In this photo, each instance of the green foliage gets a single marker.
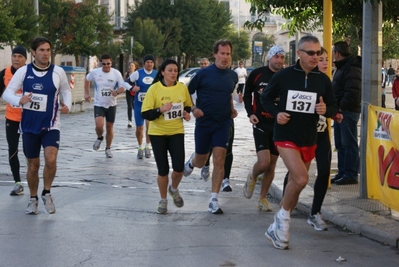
(308, 14)
(148, 35)
(241, 45)
(6, 24)
(76, 28)
(53, 14)
(17, 22)
(188, 27)
(390, 42)
(86, 29)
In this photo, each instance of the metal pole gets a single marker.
(327, 31)
(36, 6)
(131, 46)
(371, 77)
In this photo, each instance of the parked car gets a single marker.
(249, 69)
(185, 75)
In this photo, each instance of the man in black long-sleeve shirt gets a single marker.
(304, 93)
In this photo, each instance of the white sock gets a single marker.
(148, 145)
(214, 195)
(141, 146)
(173, 189)
(285, 214)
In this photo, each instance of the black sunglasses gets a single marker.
(312, 53)
(108, 63)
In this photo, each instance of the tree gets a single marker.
(87, 28)
(53, 14)
(75, 28)
(241, 47)
(146, 32)
(7, 24)
(308, 14)
(19, 23)
(390, 42)
(189, 27)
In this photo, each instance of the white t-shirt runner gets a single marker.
(104, 83)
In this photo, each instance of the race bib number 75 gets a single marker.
(301, 101)
(38, 103)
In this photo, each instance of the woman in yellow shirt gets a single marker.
(165, 105)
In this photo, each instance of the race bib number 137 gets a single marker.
(301, 101)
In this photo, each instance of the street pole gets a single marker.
(327, 31)
(371, 77)
(36, 6)
(131, 46)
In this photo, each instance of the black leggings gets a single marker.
(129, 101)
(12, 136)
(323, 163)
(161, 144)
(228, 161)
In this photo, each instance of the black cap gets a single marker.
(149, 57)
(19, 49)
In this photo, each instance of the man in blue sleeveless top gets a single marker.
(143, 79)
(42, 82)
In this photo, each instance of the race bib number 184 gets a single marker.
(176, 112)
(301, 101)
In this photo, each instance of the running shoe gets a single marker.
(97, 144)
(205, 173)
(108, 153)
(317, 222)
(187, 169)
(249, 187)
(263, 205)
(140, 153)
(282, 228)
(177, 199)
(226, 185)
(147, 152)
(214, 207)
(18, 189)
(49, 207)
(129, 124)
(271, 235)
(32, 206)
(162, 207)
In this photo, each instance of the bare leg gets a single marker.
(219, 155)
(110, 133)
(176, 178)
(268, 177)
(99, 126)
(139, 134)
(147, 137)
(32, 175)
(298, 177)
(50, 166)
(163, 185)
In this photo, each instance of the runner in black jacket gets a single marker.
(304, 93)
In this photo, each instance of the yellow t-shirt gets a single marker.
(170, 122)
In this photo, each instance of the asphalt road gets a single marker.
(106, 213)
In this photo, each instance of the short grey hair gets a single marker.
(307, 39)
